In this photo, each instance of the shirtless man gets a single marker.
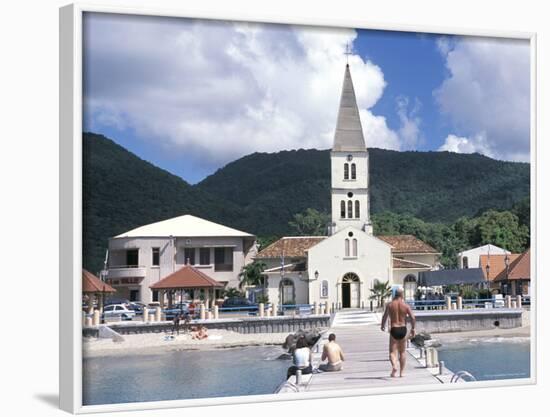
(333, 352)
(397, 311)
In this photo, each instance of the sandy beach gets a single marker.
(151, 343)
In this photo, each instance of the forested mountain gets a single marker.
(433, 186)
(260, 193)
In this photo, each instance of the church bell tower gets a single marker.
(349, 161)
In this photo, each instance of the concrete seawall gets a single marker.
(244, 325)
(467, 320)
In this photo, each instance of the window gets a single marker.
(343, 209)
(134, 295)
(357, 213)
(354, 247)
(353, 172)
(204, 256)
(324, 289)
(189, 254)
(346, 171)
(346, 248)
(132, 258)
(223, 259)
(350, 210)
(465, 262)
(156, 257)
(155, 295)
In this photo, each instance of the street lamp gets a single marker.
(507, 263)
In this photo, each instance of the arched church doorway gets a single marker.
(409, 287)
(351, 291)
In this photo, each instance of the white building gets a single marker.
(342, 268)
(141, 257)
(470, 258)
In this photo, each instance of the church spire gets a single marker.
(349, 133)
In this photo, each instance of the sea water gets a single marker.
(489, 358)
(183, 374)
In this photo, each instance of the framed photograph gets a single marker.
(260, 210)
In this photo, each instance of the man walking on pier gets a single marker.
(397, 311)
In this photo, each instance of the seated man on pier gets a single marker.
(398, 311)
(333, 352)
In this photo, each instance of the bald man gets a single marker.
(398, 311)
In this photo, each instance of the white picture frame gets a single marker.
(70, 153)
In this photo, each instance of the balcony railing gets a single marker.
(126, 271)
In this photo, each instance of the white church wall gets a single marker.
(373, 261)
(301, 291)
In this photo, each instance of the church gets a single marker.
(341, 268)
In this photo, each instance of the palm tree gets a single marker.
(380, 291)
(232, 292)
(252, 275)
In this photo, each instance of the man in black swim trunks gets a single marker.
(398, 311)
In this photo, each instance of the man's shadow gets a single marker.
(50, 399)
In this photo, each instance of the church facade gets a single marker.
(343, 266)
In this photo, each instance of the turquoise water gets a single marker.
(183, 375)
(489, 359)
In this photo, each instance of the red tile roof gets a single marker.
(519, 266)
(290, 247)
(405, 264)
(92, 284)
(186, 277)
(407, 244)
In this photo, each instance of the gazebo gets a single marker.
(188, 278)
(92, 287)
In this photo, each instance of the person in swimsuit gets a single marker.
(333, 352)
(302, 359)
(398, 311)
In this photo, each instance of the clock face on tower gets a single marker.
(349, 157)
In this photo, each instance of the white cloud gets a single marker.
(224, 90)
(486, 94)
(460, 144)
(409, 132)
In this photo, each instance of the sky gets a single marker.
(192, 95)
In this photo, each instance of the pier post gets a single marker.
(203, 311)
(268, 312)
(448, 302)
(209, 315)
(298, 377)
(518, 301)
(261, 309)
(151, 317)
(453, 306)
(508, 301)
(315, 308)
(158, 314)
(514, 304)
(145, 314)
(88, 321)
(459, 303)
(216, 312)
(96, 319)
(441, 367)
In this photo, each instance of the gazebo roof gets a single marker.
(92, 284)
(186, 277)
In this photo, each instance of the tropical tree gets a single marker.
(310, 223)
(380, 291)
(232, 292)
(252, 275)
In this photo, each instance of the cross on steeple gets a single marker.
(347, 53)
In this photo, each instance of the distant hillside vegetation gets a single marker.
(261, 193)
(433, 186)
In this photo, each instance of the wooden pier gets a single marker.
(366, 362)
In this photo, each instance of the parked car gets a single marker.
(136, 307)
(239, 303)
(116, 300)
(118, 310)
(180, 308)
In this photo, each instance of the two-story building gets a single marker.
(141, 257)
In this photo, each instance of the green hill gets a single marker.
(433, 186)
(260, 193)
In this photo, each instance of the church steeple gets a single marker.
(348, 136)
(349, 166)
